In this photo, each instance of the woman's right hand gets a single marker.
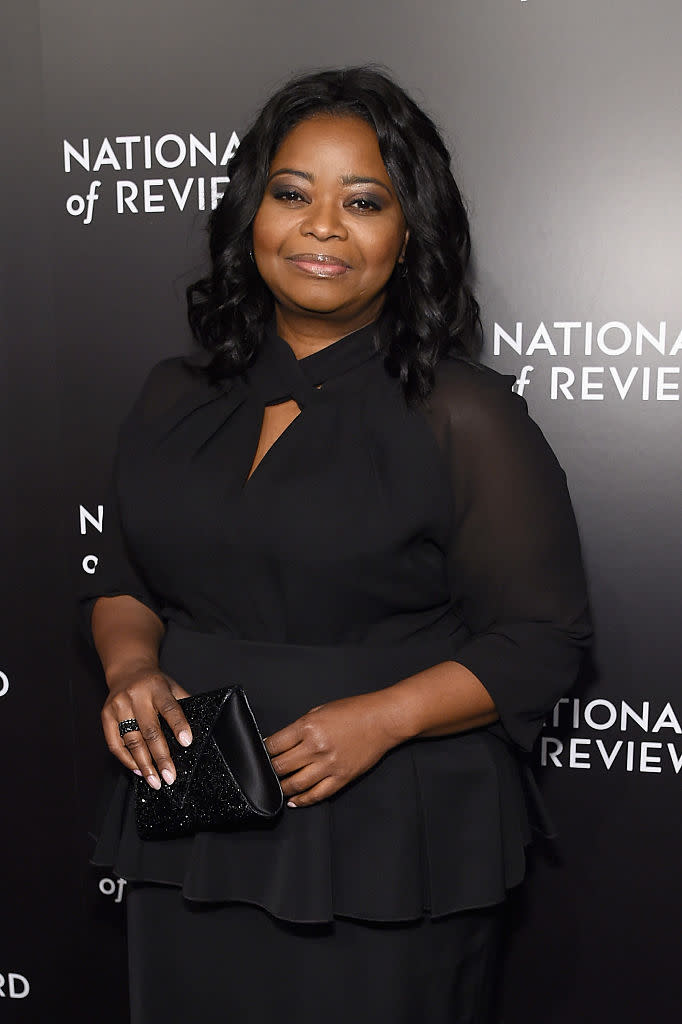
(143, 692)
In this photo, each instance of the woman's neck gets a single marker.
(308, 334)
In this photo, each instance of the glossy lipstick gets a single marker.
(319, 264)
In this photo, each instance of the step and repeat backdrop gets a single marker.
(563, 118)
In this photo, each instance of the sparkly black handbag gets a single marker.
(224, 779)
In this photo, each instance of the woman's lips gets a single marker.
(319, 265)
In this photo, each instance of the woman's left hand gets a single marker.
(329, 746)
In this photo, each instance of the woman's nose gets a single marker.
(323, 220)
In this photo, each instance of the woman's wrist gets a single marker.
(397, 713)
(122, 670)
(441, 700)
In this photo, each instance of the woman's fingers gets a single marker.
(285, 738)
(115, 742)
(157, 753)
(177, 690)
(145, 749)
(137, 745)
(135, 702)
(164, 704)
(291, 760)
(303, 780)
(172, 711)
(320, 791)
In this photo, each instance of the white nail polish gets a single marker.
(168, 776)
(290, 803)
(153, 782)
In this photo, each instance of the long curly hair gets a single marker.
(429, 309)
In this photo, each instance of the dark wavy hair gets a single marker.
(429, 308)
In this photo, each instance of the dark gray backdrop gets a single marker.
(564, 123)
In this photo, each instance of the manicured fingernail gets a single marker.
(136, 771)
(185, 737)
(168, 776)
(290, 803)
(153, 782)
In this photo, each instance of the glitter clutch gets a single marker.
(224, 779)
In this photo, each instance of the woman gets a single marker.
(337, 508)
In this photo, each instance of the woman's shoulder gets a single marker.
(469, 393)
(179, 371)
(460, 374)
(170, 380)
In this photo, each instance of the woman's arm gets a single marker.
(514, 558)
(516, 582)
(127, 634)
(515, 568)
(446, 698)
(332, 744)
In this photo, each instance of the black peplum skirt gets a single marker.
(438, 825)
(392, 871)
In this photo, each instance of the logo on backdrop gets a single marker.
(14, 986)
(642, 738)
(4, 684)
(637, 375)
(87, 519)
(113, 887)
(114, 169)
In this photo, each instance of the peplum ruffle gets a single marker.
(438, 825)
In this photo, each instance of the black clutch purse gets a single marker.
(224, 779)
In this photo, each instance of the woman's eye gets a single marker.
(363, 203)
(292, 195)
(287, 194)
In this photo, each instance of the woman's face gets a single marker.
(329, 229)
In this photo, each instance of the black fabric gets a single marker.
(208, 962)
(437, 825)
(372, 541)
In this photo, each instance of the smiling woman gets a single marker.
(341, 511)
(427, 307)
(326, 243)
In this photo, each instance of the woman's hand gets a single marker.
(329, 746)
(143, 692)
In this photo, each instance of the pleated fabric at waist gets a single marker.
(283, 681)
(436, 826)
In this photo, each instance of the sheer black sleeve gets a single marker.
(117, 572)
(514, 556)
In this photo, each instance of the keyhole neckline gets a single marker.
(278, 375)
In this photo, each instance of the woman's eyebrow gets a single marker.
(290, 170)
(345, 179)
(356, 179)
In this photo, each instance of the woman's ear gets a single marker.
(401, 258)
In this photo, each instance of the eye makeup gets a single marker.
(373, 203)
(284, 193)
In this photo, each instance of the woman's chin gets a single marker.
(326, 305)
(313, 305)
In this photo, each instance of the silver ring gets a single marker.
(129, 725)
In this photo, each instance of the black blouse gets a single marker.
(371, 528)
